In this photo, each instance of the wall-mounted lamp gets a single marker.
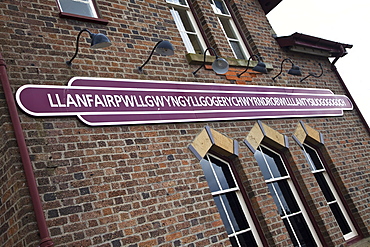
(98, 40)
(312, 74)
(220, 65)
(260, 67)
(163, 47)
(293, 71)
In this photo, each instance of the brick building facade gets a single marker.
(283, 181)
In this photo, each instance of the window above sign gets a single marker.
(229, 29)
(187, 26)
(85, 10)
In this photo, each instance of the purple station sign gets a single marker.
(102, 101)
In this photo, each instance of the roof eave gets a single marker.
(268, 5)
(310, 43)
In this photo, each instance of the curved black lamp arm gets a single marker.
(281, 67)
(204, 58)
(69, 63)
(312, 74)
(238, 75)
(150, 56)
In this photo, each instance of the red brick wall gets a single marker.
(126, 185)
(17, 221)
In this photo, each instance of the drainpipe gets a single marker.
(27, 166)
(334, 68)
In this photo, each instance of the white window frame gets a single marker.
(236, 190)
(238, 39)
(337, 199)
(89, 4)
(174, 6)
(295, 194)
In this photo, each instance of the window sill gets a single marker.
(199, 58)
(83, 18)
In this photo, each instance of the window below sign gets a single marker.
(331, 195)
(286, 197)
(312, 143)
(230, 202)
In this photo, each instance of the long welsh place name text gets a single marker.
(148, 101)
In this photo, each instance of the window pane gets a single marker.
(314, 159)
(247, 239)
(196, 44)
(223, 174)
(223, 214)
(208, 173)
(290, 231)
(278, 199)
(231, 212)
(78, 7)
(341, 220)
(283, 197)
(237, 50)
(233, 241)
(221, 171)
(181, 2)
(185, 20)
(228, 28)
(220, 5)
(262, 164)
(324, 187)
(233, 207)
(299, 227)
(275, 163)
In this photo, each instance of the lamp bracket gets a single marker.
(255, 55)
(204, 58)
(69, 63)
(150, 56)
(314, 75)
(281, 67)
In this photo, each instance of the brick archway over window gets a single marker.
(304, 132)
(210, 139)
(263, 133)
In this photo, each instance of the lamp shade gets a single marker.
(220, 66)
(260, 67)
(99, 40)
(165, 48)
(295, 71)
